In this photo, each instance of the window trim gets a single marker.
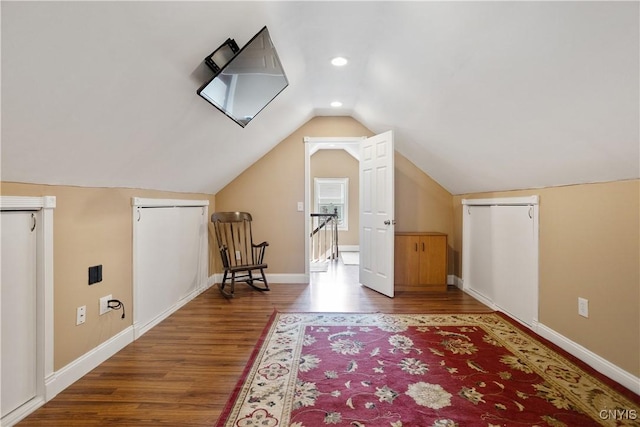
(343, 224)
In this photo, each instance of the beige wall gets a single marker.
(589, 248)
(339, 164)
(91, 226)
(422, 204)
(271, 188)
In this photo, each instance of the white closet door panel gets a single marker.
(155, 262)
(481, 274)
(500, 255)
(189, 242)
(170, 259)
(18, 362)
(513, 246)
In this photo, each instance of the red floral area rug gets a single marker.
(338, 369)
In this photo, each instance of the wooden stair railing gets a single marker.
(324, 237)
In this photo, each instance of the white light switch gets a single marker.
(300, 206)
(583, 307)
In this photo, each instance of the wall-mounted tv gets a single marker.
(248, 81)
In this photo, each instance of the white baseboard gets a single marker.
(23, 411)
(493, 306)
(75, 370)
(598, 363)
(348, 248)
(481, 298)
(452, 279)
(213, 279)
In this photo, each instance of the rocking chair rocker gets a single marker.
(240, 256)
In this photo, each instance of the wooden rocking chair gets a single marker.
(240, 256)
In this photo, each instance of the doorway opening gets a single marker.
(331, 208)
(376, 206)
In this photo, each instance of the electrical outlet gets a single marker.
(104, 304)
(81, 315)
(583, 307)
(238, 256)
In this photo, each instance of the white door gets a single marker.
(500, 254)
(18, 287)
(480, 274)
(514, 263)
(170, 261)
(377, 212)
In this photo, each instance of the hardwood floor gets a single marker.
(181, 372)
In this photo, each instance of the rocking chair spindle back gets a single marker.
(240, 256)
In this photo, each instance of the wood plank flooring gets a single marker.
(181, 372)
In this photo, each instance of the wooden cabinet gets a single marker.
(421, 261)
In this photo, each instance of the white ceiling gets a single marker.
(481, 96)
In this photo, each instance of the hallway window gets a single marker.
(332, 194)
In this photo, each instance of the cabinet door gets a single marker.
(433, 260)
(407, 260)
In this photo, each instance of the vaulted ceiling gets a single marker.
(481, 96)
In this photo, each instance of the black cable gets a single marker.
(117, 304)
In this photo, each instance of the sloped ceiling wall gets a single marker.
(481, 96)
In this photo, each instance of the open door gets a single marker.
(376, 213)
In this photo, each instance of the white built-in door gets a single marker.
(479, 260)
(170, 257)
(377, 213)
(517, 284)
(19, 350)
(500, 254)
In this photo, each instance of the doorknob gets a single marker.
(388, 222)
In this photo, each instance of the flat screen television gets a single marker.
(248, 81)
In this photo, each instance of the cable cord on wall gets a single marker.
(116, 304)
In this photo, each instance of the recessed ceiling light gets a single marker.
(339, 61)
(336, 104)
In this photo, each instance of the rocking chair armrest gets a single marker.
(258, 251)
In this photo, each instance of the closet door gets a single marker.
(155, 264)
(191, 238)
(478, 258)
(514, 261)
(500, 254)
(18, 349)
(170, 261)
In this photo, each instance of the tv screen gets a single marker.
(248, 81)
